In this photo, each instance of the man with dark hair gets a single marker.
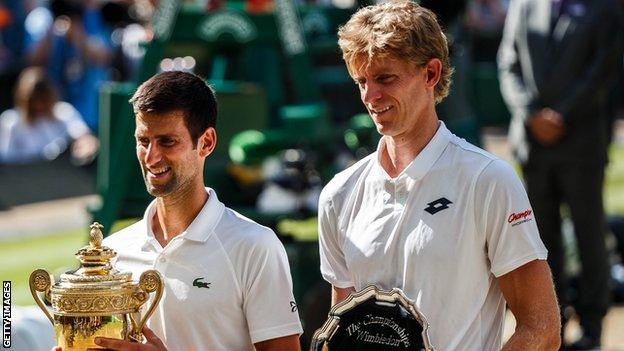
(227, 279)
(428, 213)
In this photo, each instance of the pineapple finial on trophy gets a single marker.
(95, 235)
(95, 258)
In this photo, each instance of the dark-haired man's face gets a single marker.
(169, 161)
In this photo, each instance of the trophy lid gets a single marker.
(96, 270)
(96, 288)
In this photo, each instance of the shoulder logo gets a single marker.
(438, 205)
(198, 283)
(293, 306)
(516, 218)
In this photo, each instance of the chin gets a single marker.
(385, 130)
(159, 191)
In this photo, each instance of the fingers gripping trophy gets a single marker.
(96, 300)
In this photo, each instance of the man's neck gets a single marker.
(174, 213)
(397, 152)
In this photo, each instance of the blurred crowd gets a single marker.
(54, 55)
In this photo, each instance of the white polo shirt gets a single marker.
(242, 292)
(442, 231)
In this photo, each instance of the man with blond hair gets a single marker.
(429, 213)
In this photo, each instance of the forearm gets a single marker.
(339, 294)
(527, 338)
(531, 298)
(286, 343)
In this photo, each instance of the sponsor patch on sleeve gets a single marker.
(517, 218)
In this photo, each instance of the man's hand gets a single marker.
(153, 343)
(546, 126)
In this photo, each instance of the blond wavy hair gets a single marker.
(398, 29)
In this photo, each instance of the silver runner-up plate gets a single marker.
(374, 319)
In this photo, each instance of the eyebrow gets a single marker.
(159, 136)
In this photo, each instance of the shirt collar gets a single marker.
(419, 167)
(200, 228)
(206, 221)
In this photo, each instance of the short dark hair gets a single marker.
(179, 91)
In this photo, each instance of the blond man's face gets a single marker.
(395, 93)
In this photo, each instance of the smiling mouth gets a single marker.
(159, 171)
(379, 111)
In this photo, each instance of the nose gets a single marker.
(152, 154)
(370, 93)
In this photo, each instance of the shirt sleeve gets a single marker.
(268, 301)
(507, 219)
(333, 265)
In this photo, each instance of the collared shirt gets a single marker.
(442, 231)
(227, 280)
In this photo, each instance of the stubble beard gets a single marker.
(161, 190)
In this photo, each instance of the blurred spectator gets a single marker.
(486, 16)
(40, 127)
(456, 110)
(12, 14)
(117, 17)
(556, 59)
(484, 22)
(76, 48)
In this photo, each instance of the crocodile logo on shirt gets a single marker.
(198, 283)
(438, 205)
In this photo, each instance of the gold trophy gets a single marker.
(96, 299)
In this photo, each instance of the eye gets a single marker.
(360, 82)
(167, 142)
(142, 141)
(386, 78)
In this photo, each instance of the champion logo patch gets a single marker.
(438, 205)
(517, 218)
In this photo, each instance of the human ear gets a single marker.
(433, 70)
(207, 142)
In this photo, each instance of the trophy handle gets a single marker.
(41, 281)
(150, 281)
